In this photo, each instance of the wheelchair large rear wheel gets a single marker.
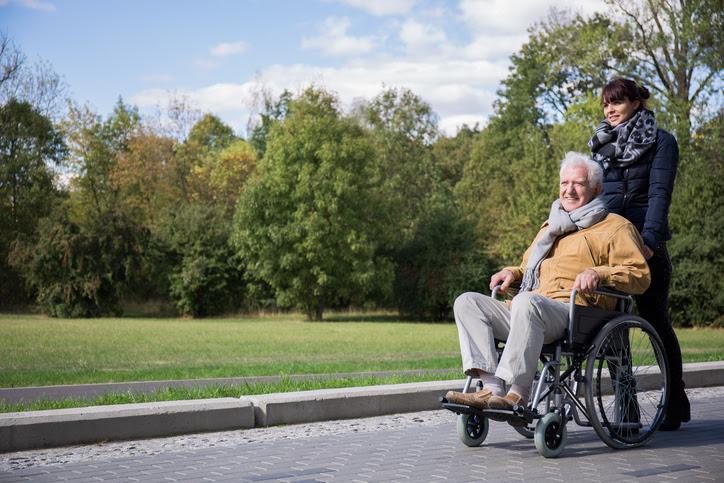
(626, 382)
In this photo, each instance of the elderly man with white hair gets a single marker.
(580, 246)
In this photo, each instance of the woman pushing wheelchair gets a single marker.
(639, 162)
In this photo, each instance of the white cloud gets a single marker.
(493, 47)
(424, 39)
(451, 124)
(217, 98)
(333, 39)
(228, 48)
(498, 28)
(382, 8)
(459, 91)
(32, 4)
(514, 17)
(456, 71)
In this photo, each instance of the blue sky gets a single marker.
(219, 54)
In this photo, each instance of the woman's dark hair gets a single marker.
(620, 88)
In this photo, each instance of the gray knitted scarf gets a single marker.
(560, 222)
(622, 145)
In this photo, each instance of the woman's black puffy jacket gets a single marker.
(642, 191)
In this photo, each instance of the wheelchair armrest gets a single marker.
(613, 293)
(624, 298)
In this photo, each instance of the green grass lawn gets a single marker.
(36, 350)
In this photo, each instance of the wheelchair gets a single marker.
(608, 371)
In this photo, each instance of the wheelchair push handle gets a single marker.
(495, 293)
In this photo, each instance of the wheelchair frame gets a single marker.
(590, 341)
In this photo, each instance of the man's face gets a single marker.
(575, 191)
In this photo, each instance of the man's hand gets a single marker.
(504, 276)
(648, 253)
(586, 281)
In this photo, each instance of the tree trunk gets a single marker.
(314, 313)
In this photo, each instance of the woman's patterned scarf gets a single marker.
(624, 144)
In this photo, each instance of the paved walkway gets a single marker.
(411, 447)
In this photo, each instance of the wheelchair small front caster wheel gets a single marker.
(472, 429)
(550, 435)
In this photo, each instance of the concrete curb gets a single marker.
(37, 429)
(355, 402)
(61, 427)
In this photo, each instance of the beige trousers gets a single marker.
(531, 321)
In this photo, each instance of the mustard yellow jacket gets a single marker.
(612, 247)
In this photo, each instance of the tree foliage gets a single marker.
(697, 225)
(320, 209)
(307, 223)
(205, 277)
(676, 47)
(220, 176)
(548, 105)
(403, 128)
(273, 111)
(29, 146)
(437, 264)
(80, 270)
(94, 148)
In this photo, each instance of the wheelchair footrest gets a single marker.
(518, 416)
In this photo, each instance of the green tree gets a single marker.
(207, 136)
(308, 223)
(404, 128)
(211, 133)
(29, 146)
(438, 263)
(450, 155)
(80, 270)
(677, 48)
(273, 111)
(221, 175)
(697, 225)
(95, 146)
(205, 277)
(142, 176)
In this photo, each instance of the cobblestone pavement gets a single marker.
(410, 447)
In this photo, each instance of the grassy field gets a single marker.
(36, 350)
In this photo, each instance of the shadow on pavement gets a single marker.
(584, 442)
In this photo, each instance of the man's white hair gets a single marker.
(594, 170)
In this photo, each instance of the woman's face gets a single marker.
(619, 111)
